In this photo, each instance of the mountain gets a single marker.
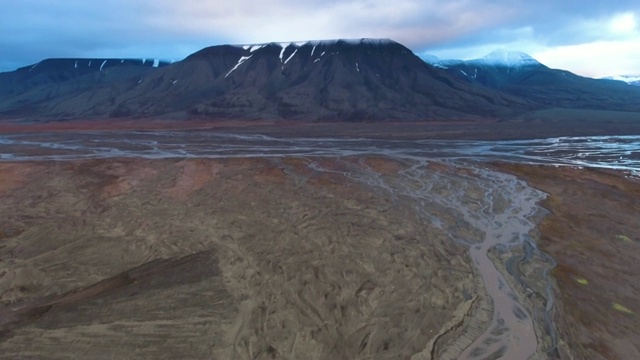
(364, 79)
(629, 79)
(329, 80)
(52, 79)
(56, 71)
(519, 74)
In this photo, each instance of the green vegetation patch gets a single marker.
(582, 281)
(624, 238)
(622, 308)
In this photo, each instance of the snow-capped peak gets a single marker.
(509, 59)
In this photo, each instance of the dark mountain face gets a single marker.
(316, 80)
(341, 80)
(520, 75)
(54, 79)
(55, 71)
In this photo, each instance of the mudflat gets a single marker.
(342, 258)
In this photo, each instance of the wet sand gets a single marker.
(341, 257)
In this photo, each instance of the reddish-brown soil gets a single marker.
(593, 233)
(429, 129)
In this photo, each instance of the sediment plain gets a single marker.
(342, 257)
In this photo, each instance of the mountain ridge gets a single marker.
(519, 74)
(314, 80)
(350, 80)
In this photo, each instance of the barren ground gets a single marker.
(216, 259)
(269, 258)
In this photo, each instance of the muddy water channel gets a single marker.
(491, 214)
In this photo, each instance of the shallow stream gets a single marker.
(492, 211)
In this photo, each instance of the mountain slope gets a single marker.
(53, 79)
(334, 80)
(520, 75)
(365, 79)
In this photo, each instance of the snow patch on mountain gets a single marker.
(439, 63)
(512, 59)
(242, 59)
(314, 43)
(498, 58)
(290, 56)
(284, 47)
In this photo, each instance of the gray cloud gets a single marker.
(37, 29)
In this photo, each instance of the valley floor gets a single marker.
(341, 256)
(545, 124)
(305, 258)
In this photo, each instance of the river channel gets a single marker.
(494, 214)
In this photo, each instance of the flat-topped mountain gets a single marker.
(330, 80)
(363, 79)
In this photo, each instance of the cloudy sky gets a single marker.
(593, 38)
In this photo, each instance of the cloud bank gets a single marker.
(591, 39)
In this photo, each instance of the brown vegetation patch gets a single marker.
(593, 233)
(193, 175)
(13, 175)
(128, 174)
(384, 166)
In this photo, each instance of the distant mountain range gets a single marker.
(330, 80)
(521, 75)
(629, 79)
